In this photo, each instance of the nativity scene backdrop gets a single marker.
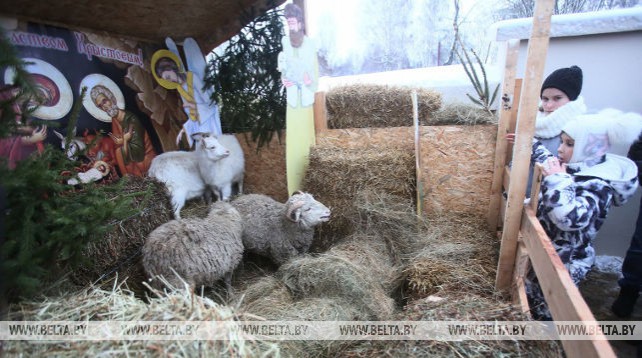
(129, 112)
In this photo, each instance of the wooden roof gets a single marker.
(210, 22)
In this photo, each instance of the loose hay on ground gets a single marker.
(454, 253)
(333, 276)
(95, 304)
(457, 306)
(461, 114)
(366, 105)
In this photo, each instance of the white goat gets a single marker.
(180, 171)
(224, 173)
(276, 230)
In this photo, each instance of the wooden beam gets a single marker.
(564, 299)
(418, 162)
(508, 86)
(320, 113)
(536, 58)
(522, 265)
(512, 123)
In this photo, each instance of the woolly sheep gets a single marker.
(200, 251)
(276, 230)
(227, 171)
(180, 170)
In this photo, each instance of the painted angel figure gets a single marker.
(171, 73)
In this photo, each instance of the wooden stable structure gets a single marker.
(524, 243)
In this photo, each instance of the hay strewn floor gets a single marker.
(391, 268)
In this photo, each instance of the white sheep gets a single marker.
(276, 230)
(180, 170)
(228, 171)
(200, 251)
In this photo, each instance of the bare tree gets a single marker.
(524, 8)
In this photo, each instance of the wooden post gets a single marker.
(508, 86)
(320, 113)
(536, 58)
(418, 165)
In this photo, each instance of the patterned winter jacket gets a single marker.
(572, 208)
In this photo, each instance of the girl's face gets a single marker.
(565, 150)
(552, 99)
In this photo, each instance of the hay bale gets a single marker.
(336, 175)
(366, 105)
(95, 304)
(453, 254)
(119, 251)
(333, 276)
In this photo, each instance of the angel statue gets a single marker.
(169, 72)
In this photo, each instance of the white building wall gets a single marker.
(607, 45)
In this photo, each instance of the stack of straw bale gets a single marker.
(336, 175)
(367, 105)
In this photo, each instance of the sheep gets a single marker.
(227, 171)
(200, 251)
(276, 230)
(180, 170)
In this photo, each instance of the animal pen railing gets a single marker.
(524, 243)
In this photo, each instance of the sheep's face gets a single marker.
(212, 148)
(303, 209)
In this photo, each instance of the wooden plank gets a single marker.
(535, 187)
(512, 123)
(522, 265)
(320, 113)
(418, 161)
(537, 48)
(564, 299)
(508, 86)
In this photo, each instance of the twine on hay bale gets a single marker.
(366, 105)
(333, 276)
(117, 304)
(336, 175)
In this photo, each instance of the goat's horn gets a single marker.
(295, 205)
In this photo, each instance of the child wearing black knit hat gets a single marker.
(560, 103)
